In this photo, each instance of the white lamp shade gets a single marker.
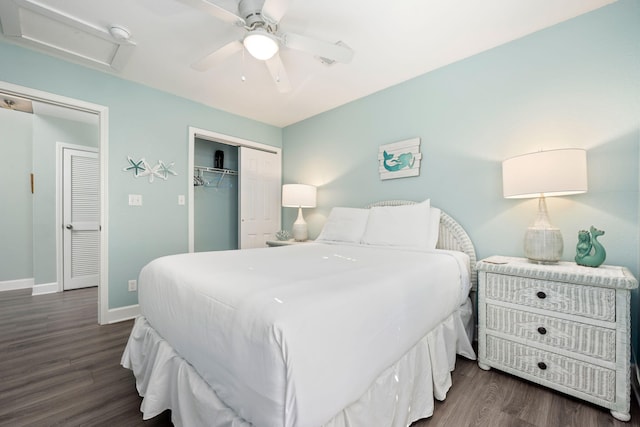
(298, 196)
(260, 44)
(545, 173)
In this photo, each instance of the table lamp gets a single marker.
(299, 196)
(543, 174)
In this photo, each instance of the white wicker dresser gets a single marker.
(563, 326)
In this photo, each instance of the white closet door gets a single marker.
(260, 180)
(81, 216)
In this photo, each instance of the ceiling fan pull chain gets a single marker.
(242, 77)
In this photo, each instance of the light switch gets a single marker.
(181, 199)
(135, 199)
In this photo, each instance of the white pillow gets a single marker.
(407, 226)
(344, 225)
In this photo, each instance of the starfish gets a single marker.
(151, 172)
(137, 167)
(165, 170)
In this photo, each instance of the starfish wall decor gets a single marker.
(142, 168)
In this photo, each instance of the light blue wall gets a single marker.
(16, 254)
(143, 122)
(216, 204)
(573, 85)
(576, 84)
(47, 132)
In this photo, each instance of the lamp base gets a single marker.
(543, 245)
(299, 229)
(542, 241)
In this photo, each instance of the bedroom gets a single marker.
(572, 85)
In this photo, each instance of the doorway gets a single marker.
(215, 185)
(70, 105)
(259, 183)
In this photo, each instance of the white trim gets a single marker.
(12, 285)
(45, 288)
(121, 314)
(223, 139)
(103, 126)
(103, 285)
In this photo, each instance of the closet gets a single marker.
(234, 202)
(215, 196)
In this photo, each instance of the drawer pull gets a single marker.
(542, 365)
(541, 295)
(542, 330)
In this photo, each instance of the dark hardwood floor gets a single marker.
(58, 367)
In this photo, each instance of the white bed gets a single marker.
(347, 331)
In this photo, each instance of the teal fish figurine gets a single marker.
(589, 251)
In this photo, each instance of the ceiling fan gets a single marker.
(263, 39)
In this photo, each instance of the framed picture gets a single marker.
(399, 159)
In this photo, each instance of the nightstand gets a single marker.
(274, 243)
(563, 326)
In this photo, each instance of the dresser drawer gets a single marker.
(555, 369)
(588, 301)
(588, 340)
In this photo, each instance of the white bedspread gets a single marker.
(290, 336)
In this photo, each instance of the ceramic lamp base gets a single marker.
(542, 241)
(543, 245)
(299, 229)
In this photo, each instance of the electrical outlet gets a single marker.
(133, 285)
(181, 199)
(135, 199)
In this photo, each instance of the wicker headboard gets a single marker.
(451, 236)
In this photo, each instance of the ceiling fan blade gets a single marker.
(275, 9)
(334, 52)
(278, 73)
(215, 11)
(217, 56)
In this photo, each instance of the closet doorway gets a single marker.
(215, 196)
(234, 199)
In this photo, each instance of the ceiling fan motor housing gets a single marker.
(251, 12)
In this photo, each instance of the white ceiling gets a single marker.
(393, 41)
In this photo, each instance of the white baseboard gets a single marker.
(45, 288)
(121, 314)
(12, 285)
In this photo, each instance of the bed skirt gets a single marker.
(402, 394)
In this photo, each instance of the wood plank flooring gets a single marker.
(58, 367)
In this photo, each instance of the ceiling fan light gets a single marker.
(261, 45)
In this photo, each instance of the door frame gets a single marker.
(60, 147)
(223, 139)
(103, 128)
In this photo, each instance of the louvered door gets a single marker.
(81, 216)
